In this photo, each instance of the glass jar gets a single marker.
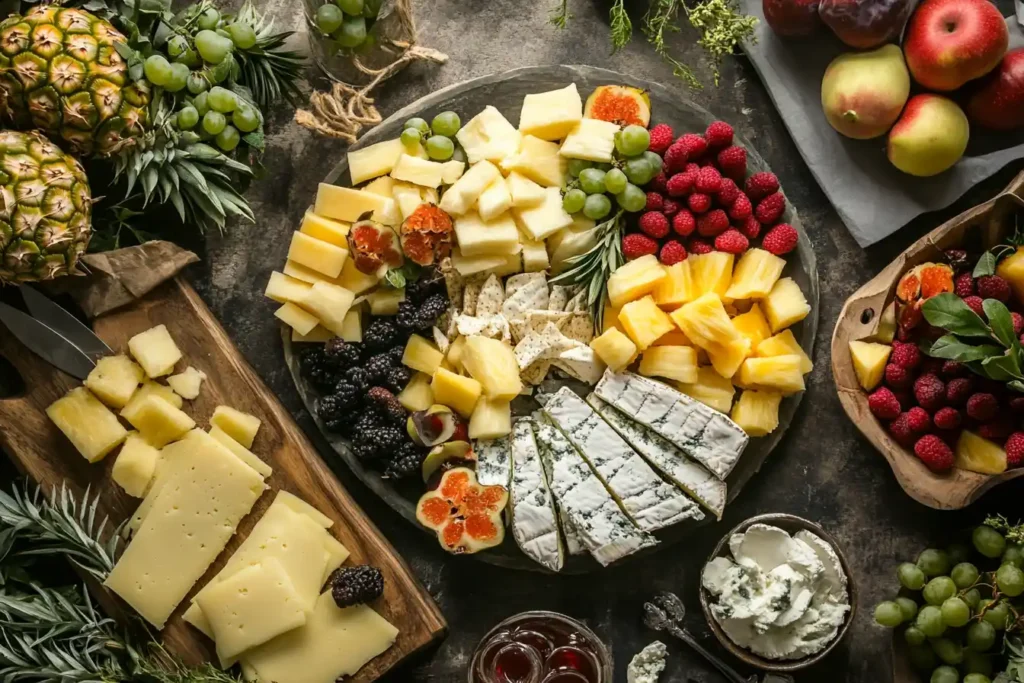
(356, 65)
(540, 647)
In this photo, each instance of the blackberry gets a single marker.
(377, 367)
(358, 377)
(387, 404)
(331, 407)
(380, 335)
(397, 353)
(397, 378)
(363, 447)
(388, 438)
(344, 354)
(429, 282)
(319, 369)
(433, 308)
(408, 317)
(356, 585)
(407, 462)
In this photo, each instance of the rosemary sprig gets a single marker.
(592, 268)
(560, 14)
(621, 26)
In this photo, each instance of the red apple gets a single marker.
(950, 42)
(792, 18)
(999, 102)
(866, 24)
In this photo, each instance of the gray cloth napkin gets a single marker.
(873, 198)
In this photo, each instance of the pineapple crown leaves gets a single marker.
(592, 268)
(270, 70)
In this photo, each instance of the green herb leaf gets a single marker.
(986, 265)
(949, 312)
(1002, 368)
(951, 348)
(999, 319)
(1016, 385)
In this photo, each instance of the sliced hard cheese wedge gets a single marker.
(534, 519)
(325, 229)
(346, 204)
(190, 522)
(336, 554)
(375, 160)
(334, 642)
(240, 426)
(251, 607)
(243, 453)
(300, 506)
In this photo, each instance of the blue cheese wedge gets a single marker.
(606, 531)
(685, 473)
(573, 541)
(493, 462)
(647, 665)
(653, 503)
(534, 519)
(706, 435)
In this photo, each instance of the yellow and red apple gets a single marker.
(951, 42)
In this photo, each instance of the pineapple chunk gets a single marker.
(591, 139)
(491, 419)
(455, 391)
(573, 240)
(242, 427)
(421, 355)
(375, 160)
(524, 192)
(329, 303)
(381, 186)
(476, 237)
(325, 229)
(460, 197)
(539, 161)
(187, 384)
(977, 454)
(454, 356)
(384, 301)
(346, 204)
(1011, 269)
(319, 335)
(407, 197)
(323, 257)
(135, 464)
(535, 255)
(493, 364)
(540, 222)
(757, 412)
(283, 289)
(756, 273)
(114, 380)
(159, 422)
(296, 318)
(352, 327)
(726, 360)
(610, 320)
(451, 171)
(710, 389)
(785, 305)
(705, 322)
(673, 362)
(675, 337)
(417, 394)
(418, 171)
(89, 425)
(488, 135)
(753, 326)
(775, 372)
(471, 265)
(147, 389)
(784, 344)
(614, 348)
(869, 361)
(494, 201)
(551, 115)
(155, 351)
(636, 279)
(713, 272)
(355, 280)
(679, 286)
(644, 322)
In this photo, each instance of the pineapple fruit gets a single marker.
(635, 279)
(150, 388)
(242, 427)
(494, 201)
(753, 326)
(707, 325)
(784, 344)
(1011, 269)
(488, 135)
(114, 380)
(710, 389)
(674, 337)
(491, 419)
(672, 362)
(978, 454)
(869, 359)
(187, 383)
(757, 412)
(421, 355)
(159, 422)
(384, 301)
(454, 355)
(524, 192)
(155, 351)
(455, 391)
(417, 394)
(89, 425)
(551, 115)
(644, 322)
(493, 364)
(678, 287)
(375, 160)
(477, 237)
(539, 161)
(614, 348)
(713, 273)
(329, 303)
(135, 464)
(572, 240)
(541, 221)
(781, 373)
(592, 140)
(318, 255)
(785, 305)
(451, 171)
(755, 274)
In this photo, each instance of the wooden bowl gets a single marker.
(791, 524)
(984, 225)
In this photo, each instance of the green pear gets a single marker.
(930, 137)
(863, 93)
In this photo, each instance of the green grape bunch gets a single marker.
(592, 187)
(349, 23)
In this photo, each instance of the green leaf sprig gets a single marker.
(592, 268)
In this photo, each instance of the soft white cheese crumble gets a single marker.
(647, 665)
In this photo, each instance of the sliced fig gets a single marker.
(619, 104)
(466, 516)
(457, 452)
(374, 247)
(427, 235)
(432, 426)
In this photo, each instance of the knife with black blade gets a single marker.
(49, 345)
(63, 323)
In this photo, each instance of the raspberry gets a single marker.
(729, 192)
(698, 203)
(655, 202)
(750, 227)
(883, 404)
(741, 209)
(713, 223)
(952, 368)
(996, 430)
(671, 208)
(982, 406)
(900, 430)
(780, 240)
(760, 185)
(905, 398)
(993, 287)
(679, 184)
(897, 377)
(661, 138)
(769, 210)
(698, 246)
(959, 390)
(659, 183)
(719, 134)
(672, 252)
(1018, 322)
(654, 224)
(919, 420)
(1014, 449)
(934, 452)
(905, 355)
(732, 241)
(683, 223)
(709, 180)
(930, 392)
(1017, 405)
(930, 366)
(637, 244)
(733, 162)
(693, 144)
(963, 285)
(975, 304)
(675, 158)
(947, 418)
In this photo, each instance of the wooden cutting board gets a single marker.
(45, 455)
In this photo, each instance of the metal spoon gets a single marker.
(666, 613)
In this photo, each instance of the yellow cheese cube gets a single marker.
(785, 305)
(488, 135)
(375, 160)
(135, 464)
(551, 115)
(241, 427)
(421, 355)
(644, 321)
(151, 388)
(752, 325)
(471, 265)
(493, 364)
(114, 380)
(282, 288)
(159, 422)
(381, 186)
(89, 425)
(634, 280)
(535, 256)
(614, 348)
(329, 303)
(542, 221)
(417, 394)
(591, 139)
(319, 335)
(296, 318)
(187, 383)
(454, 355)
(673, 362)
(346, 204)
(494, 201)
(321, 256)
(451, 171)
(385, 300)
(155, 351)
(355, 280)
(462, 196)
(352, 327)
(243, 453)
(491, 419)
(678, 287)
(784, 344)
(486, 238)
(539, 161)
(418, 171)
(325, 229)
(408, 198)
(455, 391)
(524, 192)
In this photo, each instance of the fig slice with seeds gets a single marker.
(374, 247)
